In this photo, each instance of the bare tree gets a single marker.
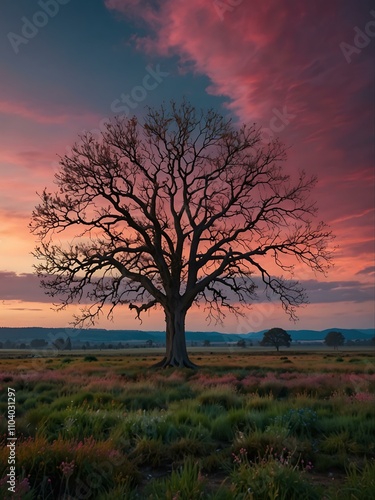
(180, 209)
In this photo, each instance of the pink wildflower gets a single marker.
(67, 468)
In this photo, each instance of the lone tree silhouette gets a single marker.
(334, 339)
(180, 209)
(276, 337)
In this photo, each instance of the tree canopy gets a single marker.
(334, 339)
(276, 337)
(180, 209)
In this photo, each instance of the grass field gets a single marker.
(247, 425)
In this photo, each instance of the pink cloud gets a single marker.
(266, 56)
(26, 112)
(244, 48)
(286, 56)
(39, 115)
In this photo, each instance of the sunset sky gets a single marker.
(302, 70)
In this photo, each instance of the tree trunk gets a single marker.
(176, 353)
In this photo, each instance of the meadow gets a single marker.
(246, 425)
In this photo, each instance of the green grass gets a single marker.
(134, 432)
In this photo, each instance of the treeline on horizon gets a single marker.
(65, 343)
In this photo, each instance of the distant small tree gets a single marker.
(63, 344)
(206, 343)
(334, 339)
(241, 343)
(149, 343)
(276, 337)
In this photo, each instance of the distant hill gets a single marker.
(93, 335)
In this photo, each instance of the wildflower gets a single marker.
(67, 468)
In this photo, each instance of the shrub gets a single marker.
(153, 399)
(43, 387)
(300, 422)
(90, 358)
(258, 442)
(150, 451)
(338, 443)
(225, 426)
(211, 410)
(222, 396)
(66, 360)
(189, 445)
(359, 483)
(121, 492)
(72, 464)
(190, 416)
(222, 430)
(271, 476)
(184, 483)
(258, 402)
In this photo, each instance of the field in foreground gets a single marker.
(247, 425)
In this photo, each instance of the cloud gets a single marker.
(270, 58)
(369, 211)
(319, 292)
(370, 271)
(255, 54)
(278, 56)
(26, 112)
(33, 309)
(26, 288)
(21, 287)
(338, 291)
(57, 115)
